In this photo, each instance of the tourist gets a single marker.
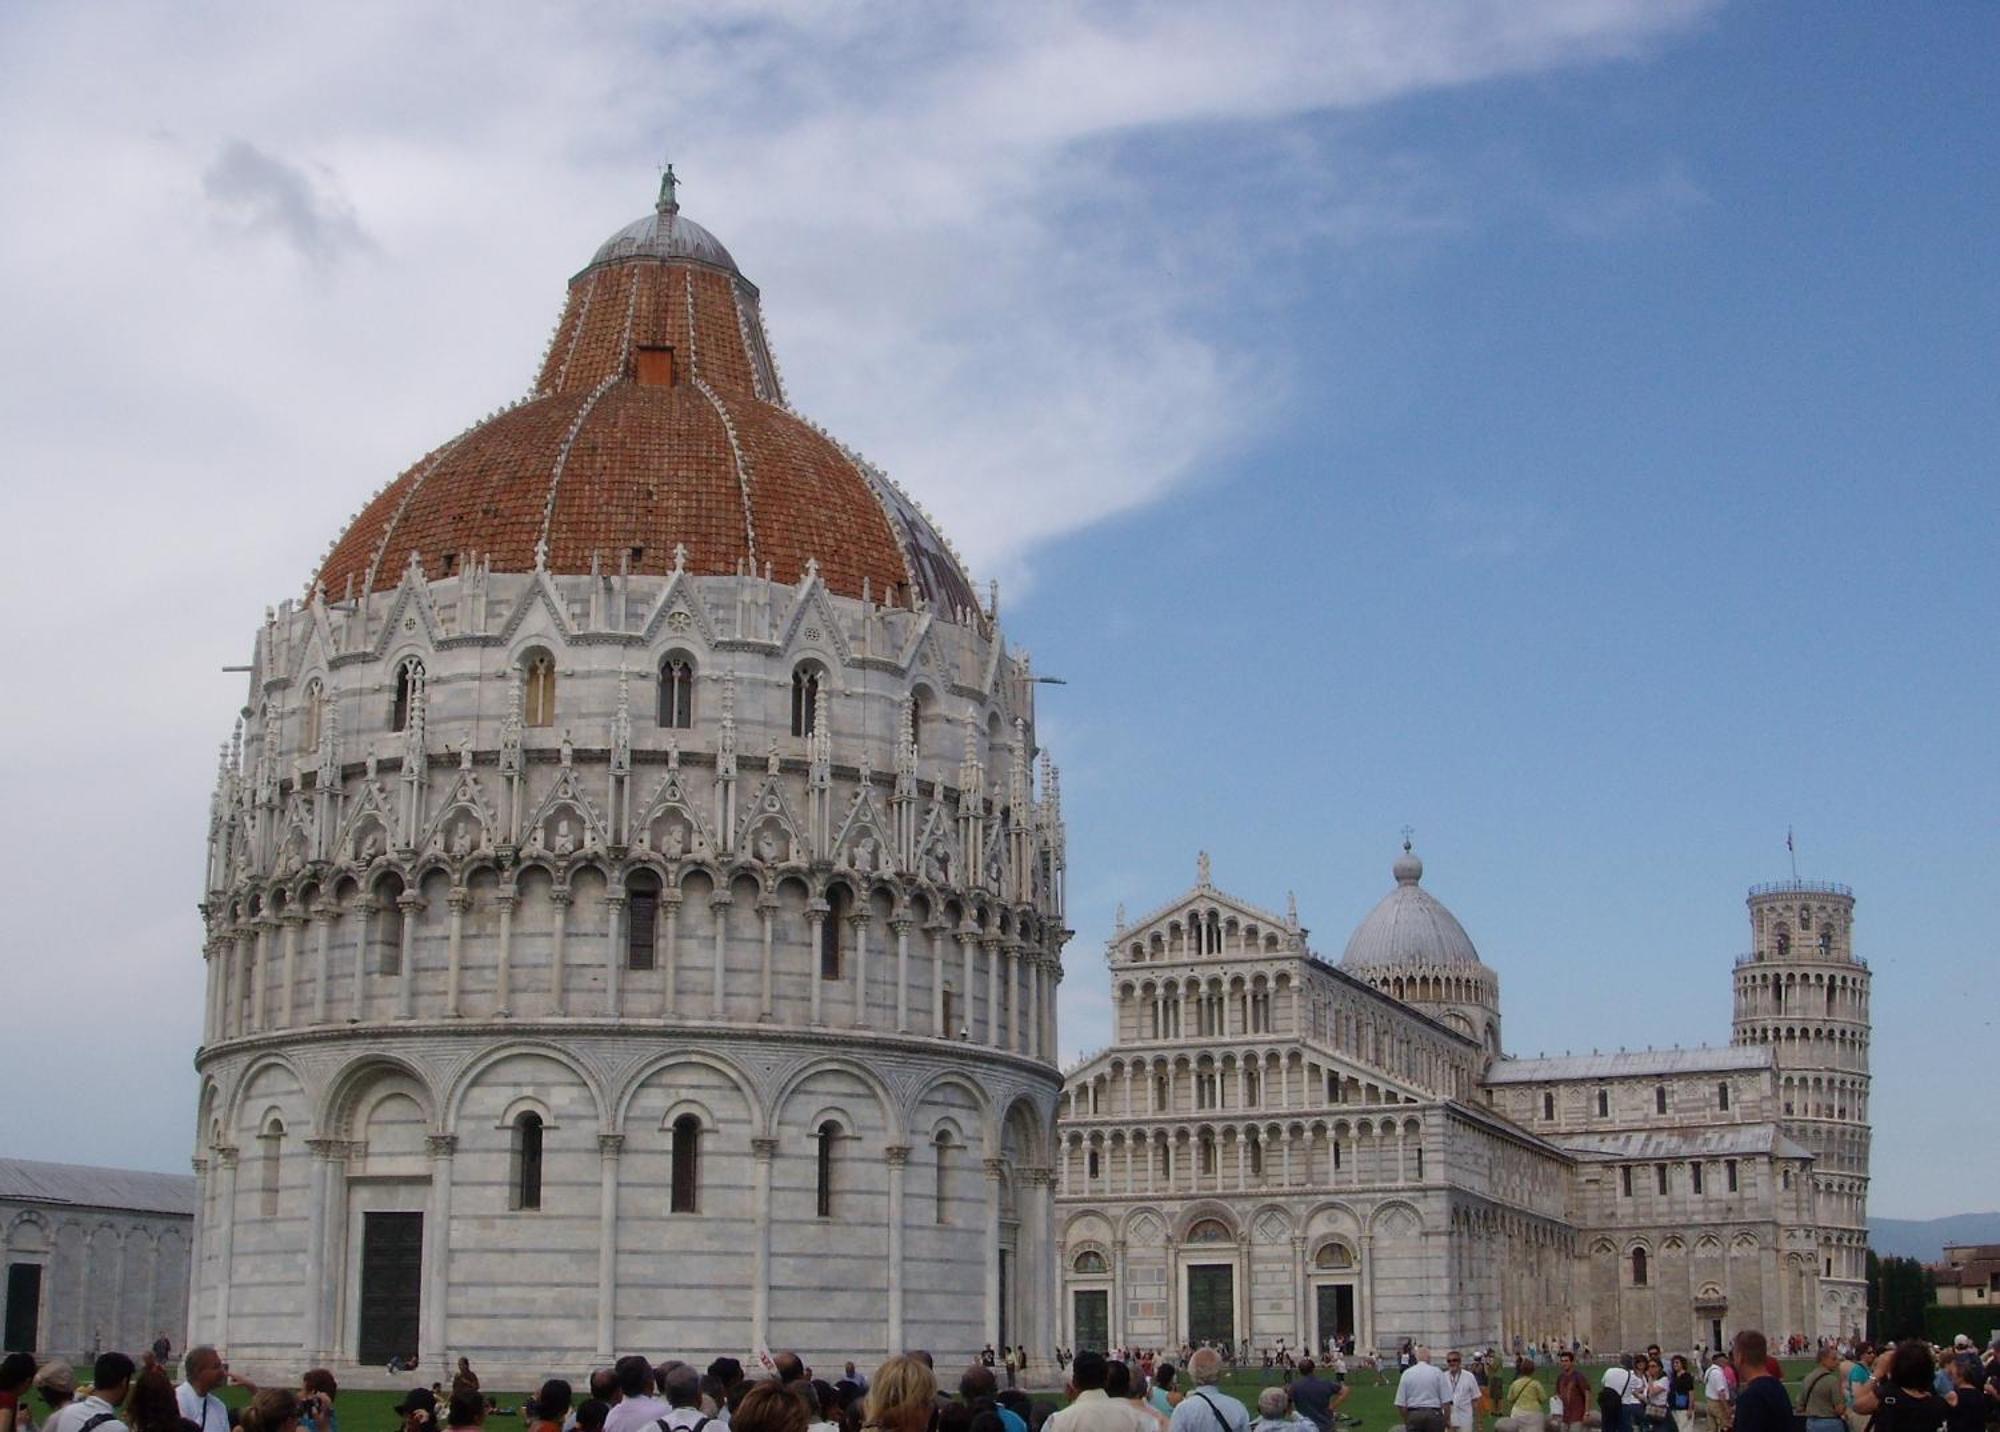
(549, 1408)
(151, 1406)
(1823, 1395)
(466, 1410)
(1164, 1397)
(418, 1410)
(1314, 1398)
(273, 1409)
(979, 1390)
(590, 1414)
(682, 1386)
(903, 1397)
(1659, 1392)
(1761, 1403)
(1620, 1393)
(465, 1379)
(56, 1385)
(852, 1374)
(1970, 1406)
(1572, 1391)
(1123, 1384)
(1680, 1393)
(637, 1407)
(1899, 1397)
(1422, 1394)
(1091, 1409)
(1275, 1414)
(1526, 1400)
(17, 1372)
(1719, 1391)
(1206, 1405)
(1464, 1394)
(110, 1381)
(770, 1406)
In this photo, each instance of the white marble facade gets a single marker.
(1276, 1150)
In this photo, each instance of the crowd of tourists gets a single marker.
(1908, 1387)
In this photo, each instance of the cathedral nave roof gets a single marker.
(1630, 1064)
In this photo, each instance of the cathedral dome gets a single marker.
(656, 433)
(1410, 927)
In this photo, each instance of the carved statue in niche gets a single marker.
(369, 847)
(461, 840)
(937, 865)
(863, 859)
(767, 847)
(563, 842)
(674, 841)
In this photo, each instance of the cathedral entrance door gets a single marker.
(24, 1307)
(1336, 1312)
(1093, 1319)
(392, 1260)
(1211, 1309)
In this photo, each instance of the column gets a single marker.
(1175, 1312)
(992, 944)
(767, 910)
(225, 1252)
(993, 1169)
(1114, 1331)
(937, 982)
(1014, 1030)
(365, 909)
(197, 1253)
(409, 902)
(1305, 1321)
(437, 1248)
(1364, 1296)
(897, 1158)
(505, 901)
(816, 918)
(670, 902)
(901, 925)
(614, 951)
(558, 940)
(858, 922)
(965, 952)
(207, 1006)
(289, 945)
(761, 1151)
(609, 1146)
(456, 903)
(719, 906)
(322, 918)
(260, 949)
(314, 1337)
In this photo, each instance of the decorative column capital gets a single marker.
(293, 916)
(327, 1149)
(721, 900)
(559, 895)
(902, 922)
(897, 1155)
(610, 1145)
(409, 901)
(199, 1164)
(441, 1146)
(225, 1154)
(614, 899)
(763, 1149)
(459, 900)
(995, 1168)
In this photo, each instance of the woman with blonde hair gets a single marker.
(274, 1409)
(902, 1397)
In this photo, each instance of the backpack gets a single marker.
(1610, 1406)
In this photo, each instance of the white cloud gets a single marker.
(997, 246)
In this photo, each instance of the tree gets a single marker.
(1899, 1290)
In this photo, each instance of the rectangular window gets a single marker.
(1659, 1098)
(642, 923)
(1722, 1097)
(1694, 1177)
(1603, 1103)
(1729, 1175)
(1660, 1176)
(1548, 1106)
(1625, 1181)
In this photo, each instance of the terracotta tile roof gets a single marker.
(598, 464)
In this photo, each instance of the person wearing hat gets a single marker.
(418, 1409)
(56, 1383)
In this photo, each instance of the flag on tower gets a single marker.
(1788, 841)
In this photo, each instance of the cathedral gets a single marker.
(634, 896)
(1279, 1150)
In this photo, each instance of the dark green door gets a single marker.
(1093, 1320)
(1336, 1312)
(24, 1307)
(392, 1259)
(1212, 1305)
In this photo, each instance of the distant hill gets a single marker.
(1925, 1237)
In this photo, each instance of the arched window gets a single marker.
(642, 920)
(1090, 1165)
(805, 699)
(943, 1190)
(1826, 942)
(1722, 1097)
(1208, 1155)
(528, 1161)
(1659, 1098)
(838, 904)
(677, 693)
(1256, 1157)
(687, 1164)
(829, 1132)
(538, 698)
(1548, 1106)
(270, 1153)
(1159, 1093)
(310, 705)
(409, 680)
(1603, 1103)
(1638, 1267)
(947, 1015)
(1784, 942)
(389, 896)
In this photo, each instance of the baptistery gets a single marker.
(634, 897)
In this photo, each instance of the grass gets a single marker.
(368, 1411)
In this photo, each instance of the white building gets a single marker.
(1276, 1149)
(634, 911)
(97, 1258)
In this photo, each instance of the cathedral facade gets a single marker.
(1280, 1150)
(634, 896)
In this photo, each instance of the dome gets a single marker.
(1410, 927)
(656, 434)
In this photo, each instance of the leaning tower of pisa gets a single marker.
(1803, 993)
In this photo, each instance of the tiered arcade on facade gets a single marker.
(635, 894)
(1275, 1149)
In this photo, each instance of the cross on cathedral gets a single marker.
(1409, 835)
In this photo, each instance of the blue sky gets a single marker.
(1564, 428)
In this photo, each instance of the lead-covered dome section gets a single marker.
(1410, 927)
(657, 424)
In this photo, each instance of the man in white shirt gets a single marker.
(1464, 1392)
(1631, 1390)
(1090, 1408)
(1207, 1408)
(682, 1385)
(110, 1380)
(1715, 1387)
(637, 1408)
(1422, 1394)
(205, 1372)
